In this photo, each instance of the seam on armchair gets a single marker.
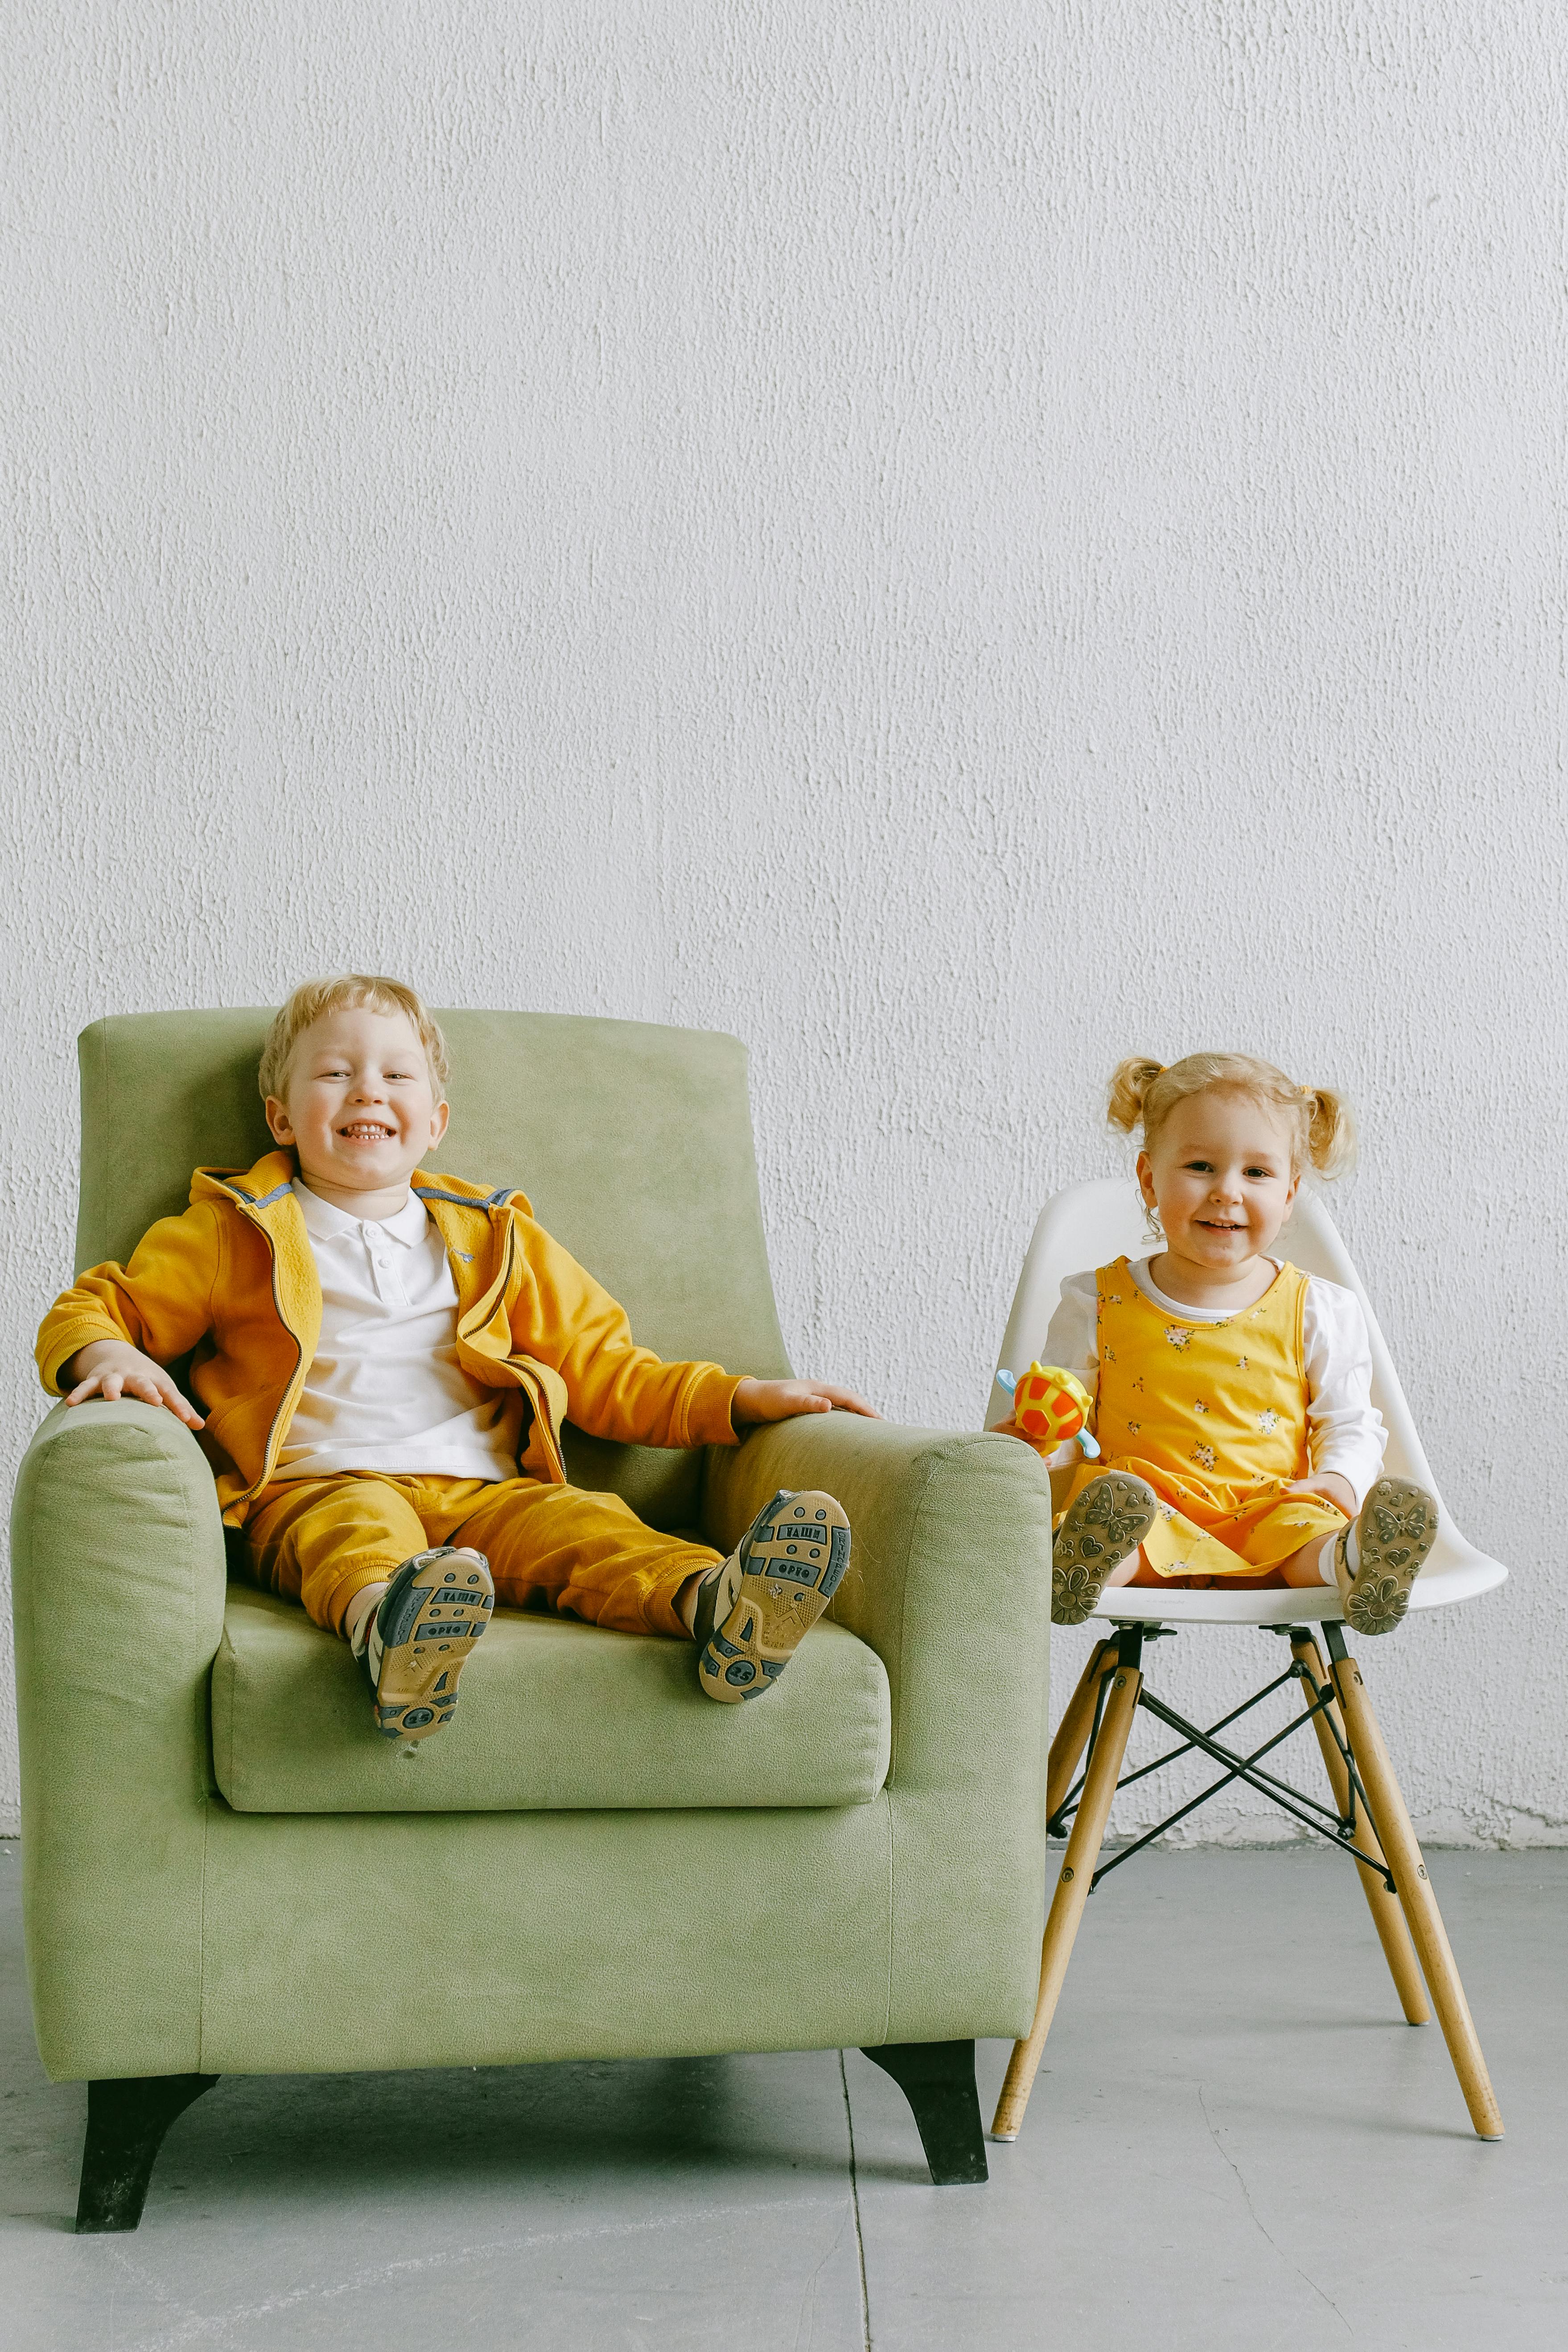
(192, 1610)
(209, 1776)
(223, 1759)
(931, 1462)
(96, 1250)
(892, 1781)
(892, 1917)
(202, 1945)
(208, 1771)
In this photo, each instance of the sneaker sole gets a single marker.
(793, 1560)
(1102, 1525)
(1394, 1533)
(435, 1609)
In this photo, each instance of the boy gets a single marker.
(385, 1367)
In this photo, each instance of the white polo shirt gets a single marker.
(386, 1390)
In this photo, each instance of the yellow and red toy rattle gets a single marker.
(1050, 1404)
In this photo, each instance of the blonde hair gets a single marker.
(1144, 1093)
(314, 998)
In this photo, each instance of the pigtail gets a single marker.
(1330, 1131)
(1143, 1093)
(1130, 1082)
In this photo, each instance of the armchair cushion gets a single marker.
(554, 1717)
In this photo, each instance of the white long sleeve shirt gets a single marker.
(1345, 1432)
(386, 1390)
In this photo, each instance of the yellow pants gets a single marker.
(321, 1540)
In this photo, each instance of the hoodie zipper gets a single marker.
(296, 1376)
(536, 1397)
(537, 1402)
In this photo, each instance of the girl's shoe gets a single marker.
(1098, 1528)
(753, 1608)
(1393, 1535)
(422, 1634)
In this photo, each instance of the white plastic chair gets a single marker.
(1092, 1224)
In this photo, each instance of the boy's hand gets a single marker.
(783, 1400)
(113, 1368)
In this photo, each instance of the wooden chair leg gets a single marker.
(1382, 1902)
(1071, 1890)
(1073, 1730)
(1392, 1821)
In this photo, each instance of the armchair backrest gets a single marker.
(633, 1141)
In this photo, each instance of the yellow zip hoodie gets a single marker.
(234, 1280)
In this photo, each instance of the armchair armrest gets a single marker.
(949, 1579)
(950, 1583)
(117, 1582)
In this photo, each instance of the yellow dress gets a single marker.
(1213, 1415)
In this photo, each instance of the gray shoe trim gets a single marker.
(742, 1595)
(397, 1619)
(716, 1593)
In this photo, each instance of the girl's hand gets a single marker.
(113, 1368)
(1331, 1487)
(783, 1400)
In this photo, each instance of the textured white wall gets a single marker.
(952, 542)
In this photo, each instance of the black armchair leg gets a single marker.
(938, 2080)
(126, 2122)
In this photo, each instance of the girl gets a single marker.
(1239, 1438)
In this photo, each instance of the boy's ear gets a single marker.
(439, 1118)
(278, 1121)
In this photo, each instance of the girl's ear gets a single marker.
(1146, 1179)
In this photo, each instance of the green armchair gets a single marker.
(220, 1855)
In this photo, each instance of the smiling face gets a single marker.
(1221, 1178)
(358, 1108)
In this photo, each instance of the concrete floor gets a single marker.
(1235, 2147)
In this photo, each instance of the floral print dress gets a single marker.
(1213, 1415)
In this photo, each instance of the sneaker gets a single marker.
(1098, 1528)
(431, 1614)
(1393, 1535)
(753, 1608)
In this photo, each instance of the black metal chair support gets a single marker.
(1323, 1820)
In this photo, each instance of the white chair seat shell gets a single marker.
(1092, 1223)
